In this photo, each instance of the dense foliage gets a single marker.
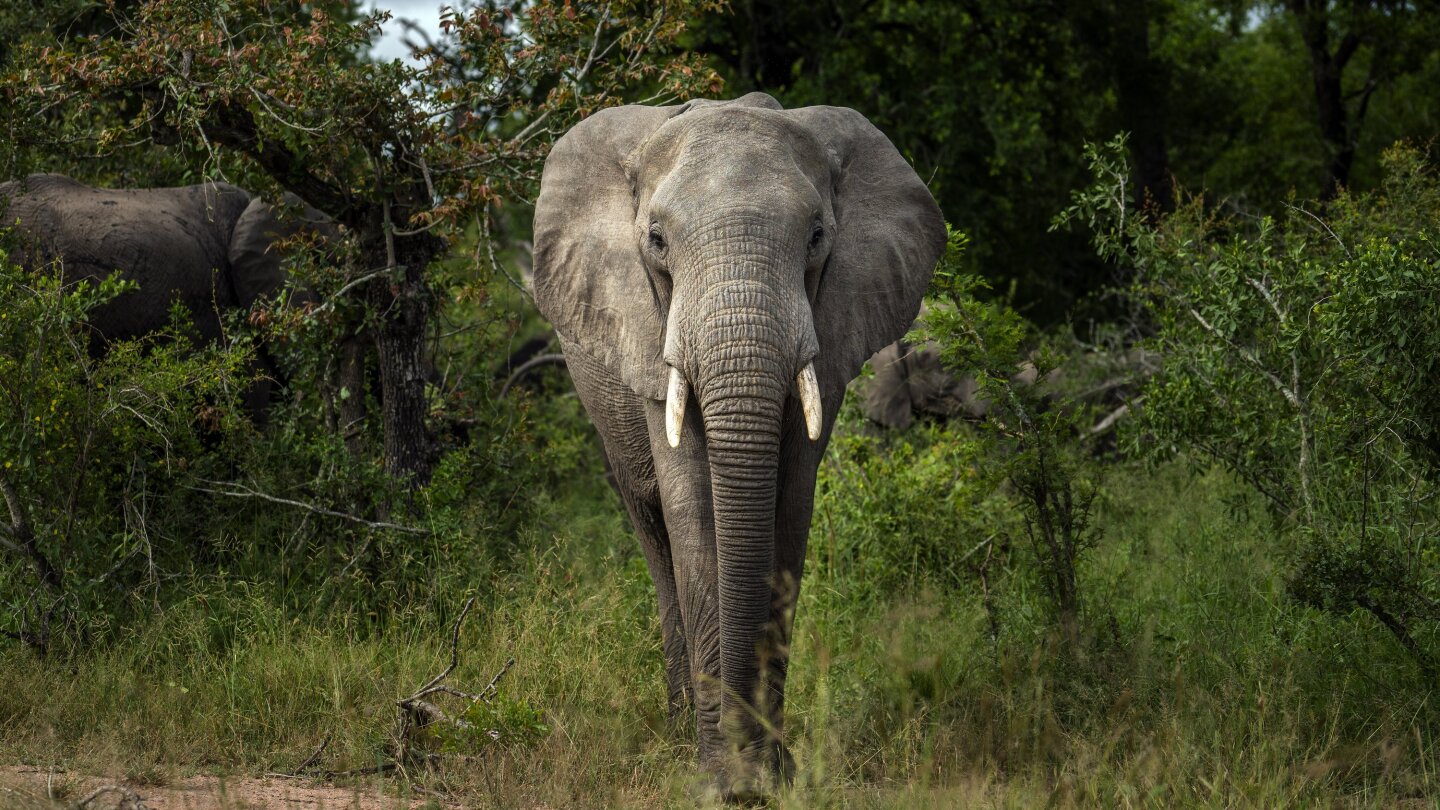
(405, 157)
(1299, 354)
(1213, 584)
(93, 450)
(1249, 99)
(387, 353)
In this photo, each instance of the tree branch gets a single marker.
(1290, 396)
(234, 126)
(242, 491)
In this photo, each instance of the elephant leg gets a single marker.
(683, 476)
(261, 391)
(649, 523)
(619, 417)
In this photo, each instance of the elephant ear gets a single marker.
(255, 268)
(590, 281)
(889, 233)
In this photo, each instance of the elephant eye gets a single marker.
(657, 240)
(815, 237)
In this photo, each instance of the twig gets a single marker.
(483, 219)
(329, 302)
(1323, 224)
(495, 681)
(369, 770)
(982, 544)
(1290, 396)
(1269, 298)
(129, 799)
(454, 648)
(21, 539)
(242, 491)
(526, 367)
(309, 761)
(1109, 421)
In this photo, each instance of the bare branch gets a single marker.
(483, 220)
(454, 647)
(1268, 296)
(1324, 225)
(1290, 396)
(129, 799)
(1114, 416)
(526, 367)
(350, 285)
(242, 491)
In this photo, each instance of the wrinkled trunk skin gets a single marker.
(744, 355)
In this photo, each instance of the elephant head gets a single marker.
(255, 261)
(743, 260)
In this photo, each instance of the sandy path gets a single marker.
(27, 787)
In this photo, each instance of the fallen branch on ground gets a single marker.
(129, 799)
(417, 713)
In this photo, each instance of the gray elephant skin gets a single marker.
(910, 380)
(717, 272)
(210, 247)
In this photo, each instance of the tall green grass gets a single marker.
(1198, 684)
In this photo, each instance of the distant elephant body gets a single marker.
(716, 273)
(208, 247)
(910, 380)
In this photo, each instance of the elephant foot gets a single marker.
(748, 779)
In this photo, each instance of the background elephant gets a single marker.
(910, 380)
(209, 247)
(717, 272)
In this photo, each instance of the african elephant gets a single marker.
(911, 380)
(717, 272)
(209, 247)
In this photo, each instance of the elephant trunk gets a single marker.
(748, 354)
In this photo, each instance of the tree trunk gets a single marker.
(405, 306)
(1327, 68)
(1140, 90)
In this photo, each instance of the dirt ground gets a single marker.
(23, 787)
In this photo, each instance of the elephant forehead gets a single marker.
(729, 145)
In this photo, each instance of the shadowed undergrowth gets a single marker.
(1202, 686)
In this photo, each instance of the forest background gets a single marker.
(1195, 566)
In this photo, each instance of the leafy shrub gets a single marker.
(898, 511)
(96, 450)
(948, 503)
(1037, 449)
(1300, 352)
(501, 721)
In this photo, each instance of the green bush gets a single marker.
(1001, 508)
(134, 478)
(1037, 447)
(97, 451)
(900, 511)
(1300, 352)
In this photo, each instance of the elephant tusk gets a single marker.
(810, 400)
(675, 397)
